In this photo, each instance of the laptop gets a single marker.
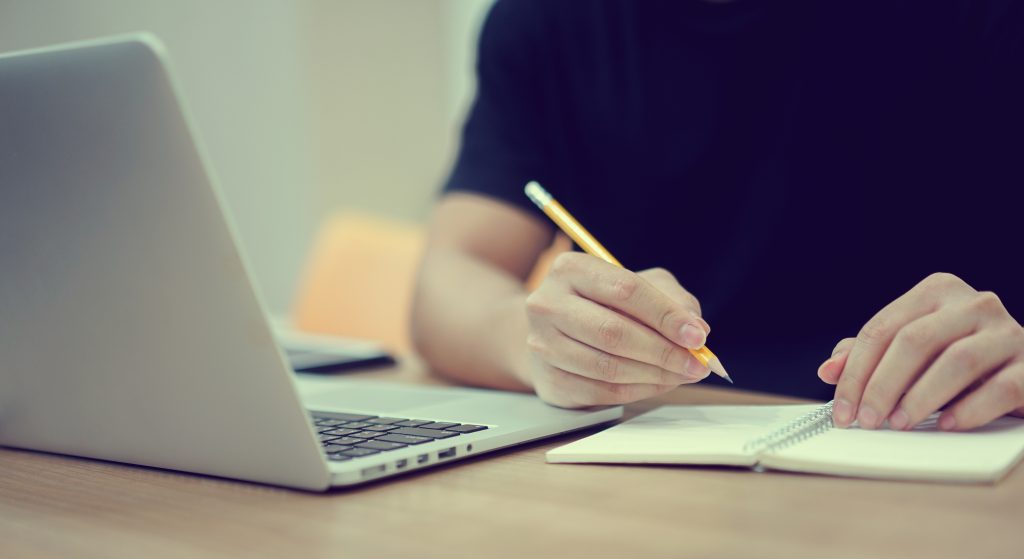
(313, 353)
(130, 330)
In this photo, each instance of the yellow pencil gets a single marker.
(567, 223)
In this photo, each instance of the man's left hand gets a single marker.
(942, 344)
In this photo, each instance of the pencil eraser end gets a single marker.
(537, 194)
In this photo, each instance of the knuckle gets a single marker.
(941, 280)
(624, 287)
(565, 263)
(609, 366)
(962, 358)
(987, 302)
(915, 337)
(667, 359)
(618, 394)
(874, 331)
(611, 332)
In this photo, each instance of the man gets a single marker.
(782, 170)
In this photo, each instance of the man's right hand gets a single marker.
(602, 335)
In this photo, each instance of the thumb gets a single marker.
(832, 368)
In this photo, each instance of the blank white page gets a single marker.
(682, 435)
(925, 453)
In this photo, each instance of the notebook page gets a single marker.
(681, 435)
(926, 453)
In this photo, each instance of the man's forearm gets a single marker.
(469, 321)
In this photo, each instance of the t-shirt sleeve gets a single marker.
(501, 148)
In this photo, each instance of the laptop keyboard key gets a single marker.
(467, 428)
(346, 416)
(356, 425)
(337, 457)
(346, 441)
(438, 425)
(386, 420)
(381, 428)
(366, 434)
(340, 431)
(331, 447)
(412, 423)
(357, 452)
(380, 445)
(417, 432)
(403, 439)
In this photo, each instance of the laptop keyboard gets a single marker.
(345, 436)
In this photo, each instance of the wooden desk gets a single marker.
(509, 504)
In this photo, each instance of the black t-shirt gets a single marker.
(796, 164)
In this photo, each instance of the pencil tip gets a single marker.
(716, 367)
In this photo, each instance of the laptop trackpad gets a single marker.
(378, 400)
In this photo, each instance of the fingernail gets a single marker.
(947, 422)
(867, 417)
(899, 420)
(842, 413)
(692, 335)
(703, 323)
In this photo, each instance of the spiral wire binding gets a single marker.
(800, 429)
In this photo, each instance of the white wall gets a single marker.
(305, 107)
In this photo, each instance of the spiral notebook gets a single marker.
(801, 438)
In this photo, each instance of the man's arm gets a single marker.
(590, 334)
(469, 319)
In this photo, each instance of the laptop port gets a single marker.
(373, 471)
(401, 464)
(446, 453)
(422, 459)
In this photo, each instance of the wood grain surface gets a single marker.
(506, 504)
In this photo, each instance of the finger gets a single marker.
(963, 362)
(844, 346)
(876, 335)
(832, 368)
(606, 330)
(913, 348)
(569, 390)
(632, 295)
(1003, 393)
(567, 354)
(670, 286)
